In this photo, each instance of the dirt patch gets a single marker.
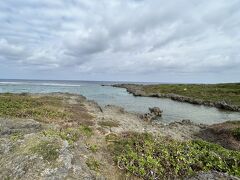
(222, 134)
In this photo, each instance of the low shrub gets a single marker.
(44, 109)
(16, 136)
(48, 150)
(94, 148)
(93, 164)
(86, 130)
(70, 134)
(159, 158)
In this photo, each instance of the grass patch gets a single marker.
(69, 134)
(206, 92)
(157, 158)
(86, 130)
(111, 137)
(16, 136)
(109, 123)
(49, 151)
(93, 164)
(44, 108)
(94, 148)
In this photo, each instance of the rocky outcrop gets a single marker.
(13, 126)
(222, 134)
(212, 175)
(136, 90)
(155, 112)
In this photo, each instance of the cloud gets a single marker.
(119, 37)
(11, 53)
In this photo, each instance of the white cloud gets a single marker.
(122, 36)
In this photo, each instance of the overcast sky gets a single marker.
(132, 40)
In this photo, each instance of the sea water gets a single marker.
(104, 95)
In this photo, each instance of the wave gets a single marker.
(40, 84)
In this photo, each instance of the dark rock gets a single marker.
(147, 117)
(156, 111)
(187, 122)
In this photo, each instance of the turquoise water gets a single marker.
(103, 95)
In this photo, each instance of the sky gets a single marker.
(121, 40)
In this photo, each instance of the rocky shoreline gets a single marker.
(137, 91)
(81, 142)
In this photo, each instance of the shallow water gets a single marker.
(172, 110)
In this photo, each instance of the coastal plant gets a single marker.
(69, 134)
(94, 148)
(40, 108)
(151, 157)
(48, 150)
(16, 136)
(86, 130)
(93, 164)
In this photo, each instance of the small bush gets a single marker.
(157, 158)
(94, 148)
(48, 150)
(93, 164)
(16, 136)
(70, 134)
(86, 130)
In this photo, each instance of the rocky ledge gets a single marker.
(137, 91)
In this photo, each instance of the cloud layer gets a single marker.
(142, 40)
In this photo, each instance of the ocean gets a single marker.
(104, 95)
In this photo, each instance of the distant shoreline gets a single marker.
(156, 91)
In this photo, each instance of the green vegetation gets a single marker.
(157, 158)
(112, 137)
(48, 150)
(86, 130)
(69, 134)
(207, 92)
(93, 164)
(109, 123)
(44, 108)
(94, 148)
(16, 136)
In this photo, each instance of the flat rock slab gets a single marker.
(25, 126)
